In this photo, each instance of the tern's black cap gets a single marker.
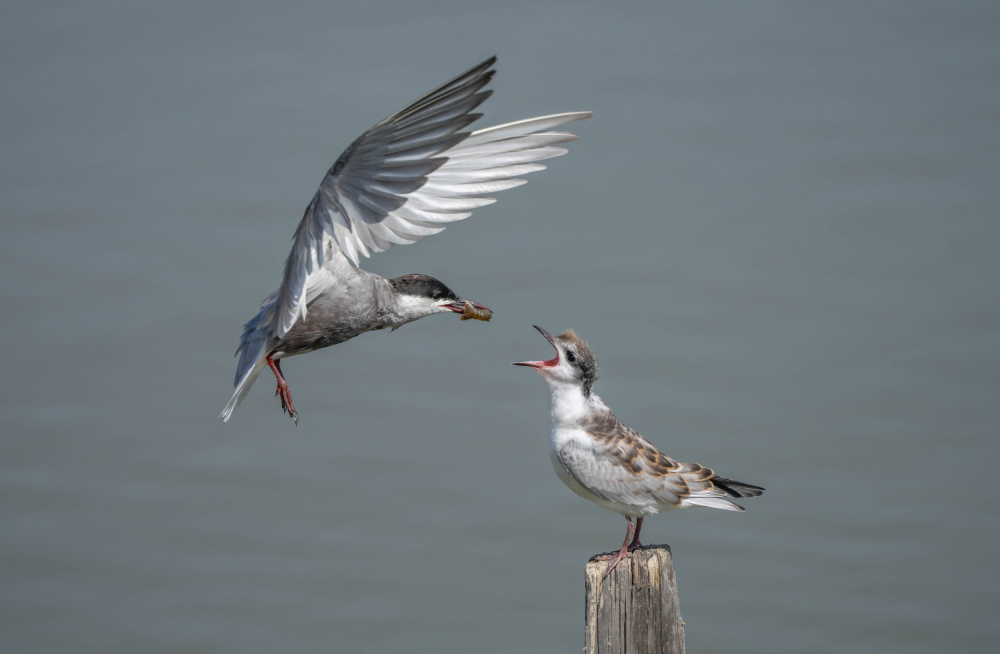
(422, 286)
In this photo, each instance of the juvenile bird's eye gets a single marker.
(570, 356)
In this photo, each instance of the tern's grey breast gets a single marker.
(338, 313)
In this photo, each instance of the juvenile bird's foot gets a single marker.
(626, 547)
(614, 558)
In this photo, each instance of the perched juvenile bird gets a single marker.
(611, 465)
(405, 178)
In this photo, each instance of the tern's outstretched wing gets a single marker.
(409, 175)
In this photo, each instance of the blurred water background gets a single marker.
(779, 233)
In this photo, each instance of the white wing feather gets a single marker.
(409, 175)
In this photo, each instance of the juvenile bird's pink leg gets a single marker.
(623, 553)
(635, 539)
(283, 390)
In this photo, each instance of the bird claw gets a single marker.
(615, 560)
(283, 391)
(631, 543)
(617, 557)
(286, 402)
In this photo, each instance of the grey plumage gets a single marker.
(403, 179)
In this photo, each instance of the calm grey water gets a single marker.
(779, 233)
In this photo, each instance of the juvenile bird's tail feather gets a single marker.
(735, 488)
(722, 486)
(712, 503)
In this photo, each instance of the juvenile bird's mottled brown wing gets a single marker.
(625, 468)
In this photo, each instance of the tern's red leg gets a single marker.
(635, 539)
(283, 390)
(623, 553)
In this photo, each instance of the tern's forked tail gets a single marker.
(243, 387)
(253, 355)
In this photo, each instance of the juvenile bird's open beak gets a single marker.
(541, 364)
(470, 309)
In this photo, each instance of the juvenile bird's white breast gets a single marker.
(584, 463)
(577, 438)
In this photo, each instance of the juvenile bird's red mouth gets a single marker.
(538, 364)
(554, 361)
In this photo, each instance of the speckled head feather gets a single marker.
(584, 357)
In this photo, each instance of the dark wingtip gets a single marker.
(735, 488)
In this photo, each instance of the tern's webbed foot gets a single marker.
(286, 402)
(283, 391)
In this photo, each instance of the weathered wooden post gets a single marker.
(635, 610)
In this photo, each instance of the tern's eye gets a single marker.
(570, 356)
